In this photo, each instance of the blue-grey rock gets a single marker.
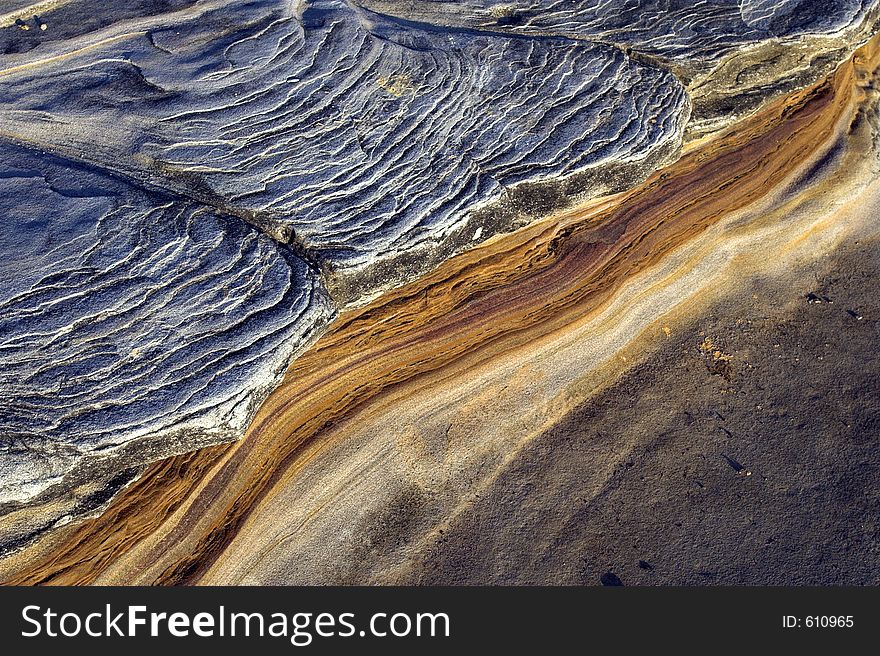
(367, 137)
(679, 30)
(130, 317)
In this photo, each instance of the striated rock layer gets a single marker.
(731, 55)
(132, 327)
(362, 140)
(195, 181)
(624, 380)
(671, 29)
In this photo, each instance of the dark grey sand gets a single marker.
(803, 419)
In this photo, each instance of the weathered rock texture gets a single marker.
(501, 247)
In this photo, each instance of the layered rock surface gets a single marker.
(128, 318)
(194, 190)
(162, 287)
(672, 29)
(367, 138)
